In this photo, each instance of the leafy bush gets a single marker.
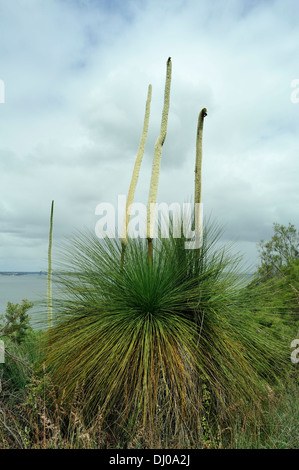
(279, 252)
(21, 344)
(15, 322)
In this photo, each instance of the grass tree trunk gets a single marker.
(135, 174)
(49, 283)
(151, 208)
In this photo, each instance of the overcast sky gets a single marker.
(76, 74)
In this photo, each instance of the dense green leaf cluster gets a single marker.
(145, 342)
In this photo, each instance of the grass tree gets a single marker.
(146, 344)
(164, 346)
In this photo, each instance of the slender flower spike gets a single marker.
(136, 168)
(197, 195)
(157, 159)
(198, 163)
(49, 283)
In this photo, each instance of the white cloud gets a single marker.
(76, 75)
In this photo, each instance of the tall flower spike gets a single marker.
(197, 190)
(136, 172)
(49, 282)
(156, 162)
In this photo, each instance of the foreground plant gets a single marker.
(122, 333)
(146, 341)
(174, 345)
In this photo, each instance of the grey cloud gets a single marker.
(76, 91)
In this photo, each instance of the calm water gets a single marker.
(33, 287)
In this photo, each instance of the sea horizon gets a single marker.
(14, 273)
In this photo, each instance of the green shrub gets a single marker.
(21, 344)
(15, 323)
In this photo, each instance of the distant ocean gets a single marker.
(31, 286)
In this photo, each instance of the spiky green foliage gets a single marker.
(122, 334)
(145, 342)
(225, 302)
